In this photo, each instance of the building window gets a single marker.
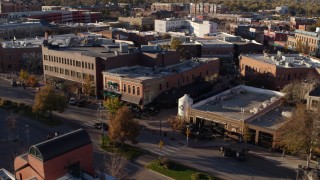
(78, 75)
(124, 87)
(73, 62)
(92, 66)
(61, 70)
(129, 89)
(73, 73)
(133, 90)
(138, 91)
(86, 65)
(314, 103)
(82, 64)
(289, 77)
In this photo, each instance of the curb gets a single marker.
(160, 174)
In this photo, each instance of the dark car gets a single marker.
(228, 152)
(240, 155)
(81, 103)
(101, 125)
(14, 83)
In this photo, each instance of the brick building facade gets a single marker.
(52, 159)
(276, 71)
(141, 85)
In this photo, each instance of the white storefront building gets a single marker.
(198, 28)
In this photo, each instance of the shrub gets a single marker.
(6, 104)
(202, 176)
(195, 176)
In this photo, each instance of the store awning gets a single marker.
(131, 99)
(110, 94)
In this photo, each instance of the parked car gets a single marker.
(81, 103)
(14, 83)
(73, 101)
(101, 125)
(237, 154)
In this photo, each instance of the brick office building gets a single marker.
(141, 85)
(75, 63)
(312, 39)
(71, 154)
(277, 70)
(16, 55)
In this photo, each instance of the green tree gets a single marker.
(246, 135)
(112, 105)
(294, 92)
(32, 81)
(88, 86)
(175, 43)
(301, 133)
(49, 100)
(23, 75)
(122, 127)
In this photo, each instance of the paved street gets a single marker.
(205, 154)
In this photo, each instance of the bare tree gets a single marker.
(175, 124)
(115, 165)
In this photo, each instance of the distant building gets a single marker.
(10, 31)
(170, 7)
(270, 37)
(194, 27)
(20, 6)
(207, 8)
(296, 21)
(311, 39)
(228, 112)
(141, 23)
(60, 16)
(51, 8)
(140, 85)
(277, 70)
(69, 155)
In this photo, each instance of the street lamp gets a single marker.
(27, 133)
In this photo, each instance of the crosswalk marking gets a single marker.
(166, 150)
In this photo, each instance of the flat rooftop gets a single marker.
(273, 119)
(286, 60)
(239, 103)
(142, 73)
(212, 42)
(91, 51)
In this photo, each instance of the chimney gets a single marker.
(46, 35)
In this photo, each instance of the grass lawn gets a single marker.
(177, 171)
(128, 151)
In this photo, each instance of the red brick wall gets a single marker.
(57, 167)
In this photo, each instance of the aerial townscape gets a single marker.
(160, 90)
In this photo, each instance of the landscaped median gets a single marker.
(177, 171)
(126, 150)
